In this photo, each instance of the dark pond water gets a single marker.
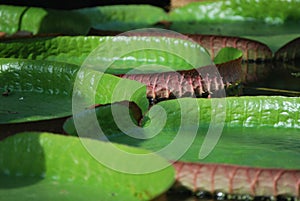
(203, 196)
(279, 79)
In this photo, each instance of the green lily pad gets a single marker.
(275, 42)
(39, 90)
(40, 20)
(10, 17)
(36, 90)
(256, 130)
(123, 17)
(233, 10)
(67, 49)
(227, 54)
(260, 111)
(60, 49)
(237, 18)
(127, 54)
(56, 167)
(78, 22)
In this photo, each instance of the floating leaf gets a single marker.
(57, 167)
(106, 118)
(245, 118)
(252, 50)
(136, 51)
(40, 20)
(237, 18)
(39, 90)
(252, 137)
(123, 17)
(274, 42)
(240, 181)
(10, 18)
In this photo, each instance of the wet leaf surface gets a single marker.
(59, 167)
(269, 67)
(41, 90)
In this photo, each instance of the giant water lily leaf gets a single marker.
(40, 20)
(251, 50)
(239, 146)
(38, 90)
(127, 54)
(72, 22)
(260, 136)
(10, 17)
(145, 54)
(67, 49)
(123, 17)
(236, 18)
(35, 90)
(274, 42)
(238, 181)
(56, 167)
(106, 115)
(227, 54)
(255, 123)
(233, 10)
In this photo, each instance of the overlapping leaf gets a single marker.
(56, 167)
(38, 90)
